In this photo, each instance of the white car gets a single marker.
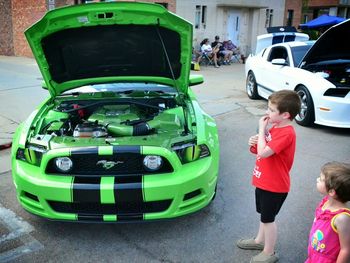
(318, 71)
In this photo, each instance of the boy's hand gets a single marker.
(253, 140)
(263, 122)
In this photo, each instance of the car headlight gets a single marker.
(193, 153)
(30, 155)
(64, 164)
(152, 162)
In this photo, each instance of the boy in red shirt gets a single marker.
(275, 148)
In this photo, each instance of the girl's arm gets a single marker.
(342, 223)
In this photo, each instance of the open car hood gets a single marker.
(111, 42)
(331, 45)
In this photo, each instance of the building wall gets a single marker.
(252, 19)
(313, 3)
(6, 40)
(316, 8)
(297, 6)
(171, 3)
(17, 15)
(25, 13)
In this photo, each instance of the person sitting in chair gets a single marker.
(235, 50)
(209, 51)
(223, 53)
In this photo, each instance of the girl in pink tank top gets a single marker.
(329, 240)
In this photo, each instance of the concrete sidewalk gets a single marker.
(20, 92)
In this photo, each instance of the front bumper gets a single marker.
(115, 198)
(333, 112)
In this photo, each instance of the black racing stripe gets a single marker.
(128, 197)
(277, 39)
(90, 218)
(127, 149)
(136, 217)
(289, 38)
(84, 150)
(86, 189)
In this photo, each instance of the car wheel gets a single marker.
(306, 117)
(251, 86)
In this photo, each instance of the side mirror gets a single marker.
(43, 85)
(279, 61)
(196, 80)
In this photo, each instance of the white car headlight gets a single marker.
(152, 162)
(64, 164)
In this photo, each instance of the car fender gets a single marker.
(316, 84)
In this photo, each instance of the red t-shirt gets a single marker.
(272, 173)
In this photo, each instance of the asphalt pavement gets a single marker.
(206, 236)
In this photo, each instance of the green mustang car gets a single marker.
(121, 136)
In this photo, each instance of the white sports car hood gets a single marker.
(331, 45)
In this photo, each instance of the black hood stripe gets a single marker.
(127, 149)
(84, 150)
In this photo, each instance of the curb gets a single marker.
(5, 146)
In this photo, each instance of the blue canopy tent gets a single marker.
(322, 21)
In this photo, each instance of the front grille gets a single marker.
(95, 209)
(98, 165)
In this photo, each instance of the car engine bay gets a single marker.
(113, 118)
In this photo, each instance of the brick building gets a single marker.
(316, 8)
(209, 17)
(17, 15)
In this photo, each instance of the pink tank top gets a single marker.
(324, 243)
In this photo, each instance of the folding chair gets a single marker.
(206, 60)
(237, 57)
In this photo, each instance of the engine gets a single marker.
(111, 120)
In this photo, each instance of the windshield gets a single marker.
(299, 52)
(122, 88)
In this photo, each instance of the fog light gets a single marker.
(152, 162)
(64, 164)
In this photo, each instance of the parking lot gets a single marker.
(206, 236)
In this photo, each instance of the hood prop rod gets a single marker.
(166, 54)
(171, 69)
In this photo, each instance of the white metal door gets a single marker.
(233, 25)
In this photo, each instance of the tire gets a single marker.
(306, 117)
(251, 86)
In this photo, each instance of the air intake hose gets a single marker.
(139, 129)
(167, 118)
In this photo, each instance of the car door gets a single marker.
(275, 76)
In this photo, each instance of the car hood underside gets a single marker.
(331, 45)
(111, 42)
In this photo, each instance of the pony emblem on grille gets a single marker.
(108, 164)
